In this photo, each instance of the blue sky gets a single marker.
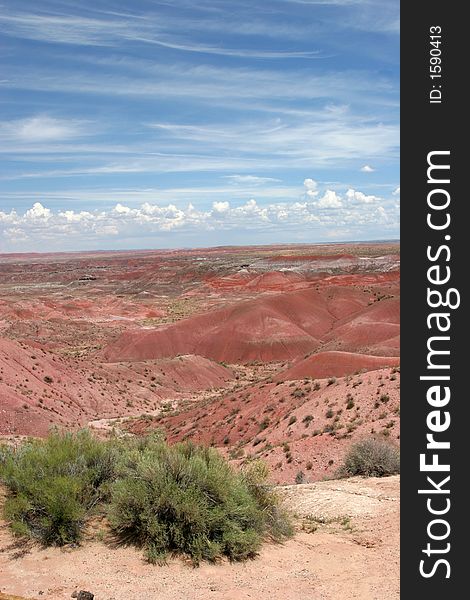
(151, 124)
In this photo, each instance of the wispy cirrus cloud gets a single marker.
(259, 144)
(41, 128)
(250, 179)
(144, 28)
(212, 104)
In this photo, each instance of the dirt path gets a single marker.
(349, 549)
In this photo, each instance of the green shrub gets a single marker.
(264, 424)
(54, 484)
(349, 402)
(180, 498)
(188, 499)
(372, 457)
(307, 420)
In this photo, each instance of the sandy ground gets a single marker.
(346, 547)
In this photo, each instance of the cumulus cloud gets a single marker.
(39, 227)
(220, 208)
(329, 200)
(311, 187)
(367, 169)
(396, 192)
(356, 196)
(122, 210)
(38, 212)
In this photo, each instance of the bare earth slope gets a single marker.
(336, 364)
(278, 327)
(38, 389)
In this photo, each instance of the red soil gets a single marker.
(335, 364)
(271, 328)
(318, 425)
(375, 330)
(306, 257)
(267, 329)
(38, 389)
(271, 281)
(46, 309)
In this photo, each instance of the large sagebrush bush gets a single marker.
(184, 498)
(188, 499)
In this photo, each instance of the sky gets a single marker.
(150, 124)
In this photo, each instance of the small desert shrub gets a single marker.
(264, 424)
(188, 499)
(300, 477)
(53, 484)
(331, 381)
(292, 420)
(349, 402)
(372, 457)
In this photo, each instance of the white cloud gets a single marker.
(106, 230)
(38, 212)
(219, 209)
(249, 179)
(75, 217)
(40, 129)
(311, 187)
(367, 169)
(122, 210)
(314, 218)
(354, 195)
(329, 200)
(396, 192)
(10, 217)
(122, 28)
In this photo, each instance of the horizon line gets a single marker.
(188, 248)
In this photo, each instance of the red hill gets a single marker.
(336, 364)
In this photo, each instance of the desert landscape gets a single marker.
(287, 354)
